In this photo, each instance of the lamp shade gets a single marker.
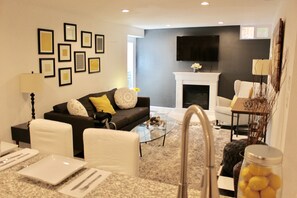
(31, 83)
(261, 67)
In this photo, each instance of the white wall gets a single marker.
(283, 134)
(19, 21)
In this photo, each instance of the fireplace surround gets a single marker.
(200, 78)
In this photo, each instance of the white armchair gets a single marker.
(242, 89)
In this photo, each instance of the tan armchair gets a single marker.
(242, 89)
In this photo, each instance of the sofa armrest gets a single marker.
(78, 123)
(143, 102)
(221, 101)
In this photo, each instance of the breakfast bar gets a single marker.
(116, 185)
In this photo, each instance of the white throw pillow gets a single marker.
(76, 108)
(125, 98)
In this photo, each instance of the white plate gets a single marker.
(6, 147)
(52, 169)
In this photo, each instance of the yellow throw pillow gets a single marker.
(251, 93)
(102, 104)
(233, 101)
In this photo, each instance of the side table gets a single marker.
(20, 133)
(239, 108)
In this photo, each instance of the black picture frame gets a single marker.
(70, 32)
(47, 67)
(64, 52)
(99, 43)
(65, 76)
(79, 61)
(94, 65)
(86, 39)
(45, 41)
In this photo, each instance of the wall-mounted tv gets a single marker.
(197, 48)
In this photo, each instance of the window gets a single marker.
(255, 32)
(131, 62)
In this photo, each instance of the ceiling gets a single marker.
(156, 14)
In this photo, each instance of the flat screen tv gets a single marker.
(197, 48)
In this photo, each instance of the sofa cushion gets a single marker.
(109, 94)
(76, 108)
(128, 116)
(125, 98)
(85, 101)
(61, 108)
(102, 104)
(90, 107)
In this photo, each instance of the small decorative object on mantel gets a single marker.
(196, 67)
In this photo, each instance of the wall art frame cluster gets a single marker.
(46, 46)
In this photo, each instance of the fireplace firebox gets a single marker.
(196, 94)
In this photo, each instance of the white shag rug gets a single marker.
(163, 163)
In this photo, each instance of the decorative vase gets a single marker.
(195, 70)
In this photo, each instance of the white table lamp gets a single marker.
(31, 83)
(261, 67)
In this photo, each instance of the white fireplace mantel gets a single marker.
(199, 78)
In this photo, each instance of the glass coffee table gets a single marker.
(148, 131)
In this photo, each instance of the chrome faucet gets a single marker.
(209, 180)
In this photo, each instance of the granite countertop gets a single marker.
(116, 185)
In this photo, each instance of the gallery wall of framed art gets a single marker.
(71, 55)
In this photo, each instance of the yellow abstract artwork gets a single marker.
(94, 65)
(46, 42)
(47, 68)
(66, 77)
(64, 52)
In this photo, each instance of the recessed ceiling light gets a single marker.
(125, 11)
(221, 22)
(204, 3)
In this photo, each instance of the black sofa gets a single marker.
(123, 119)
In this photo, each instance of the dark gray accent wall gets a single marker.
(156, 61)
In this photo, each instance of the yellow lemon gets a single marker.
(245, 173)
(259, 170)
(268, 193)
(248, 193)
(258, 183)
(275, 181)
(242, 185)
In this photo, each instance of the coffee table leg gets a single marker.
(140, 151)
(164, 139)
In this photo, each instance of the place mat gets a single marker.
(92, 178)
(16, 157)
(6, 147)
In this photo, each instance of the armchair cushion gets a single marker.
(221, 101)
(245, 90)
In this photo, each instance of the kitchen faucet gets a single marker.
(209, 180)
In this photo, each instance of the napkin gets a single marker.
(14, 158)
(92, 175)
